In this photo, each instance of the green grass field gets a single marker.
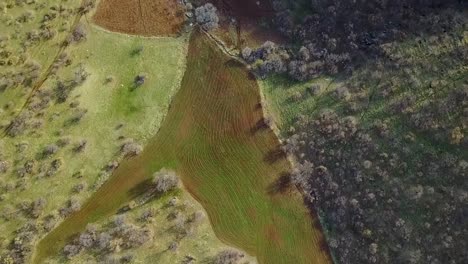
(214, 139)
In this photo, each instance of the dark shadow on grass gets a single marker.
(141, 188)
(281, 185)
(274, 155)
(260, 125)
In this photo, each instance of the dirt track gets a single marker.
(140, 17)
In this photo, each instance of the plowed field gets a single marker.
(140, 17)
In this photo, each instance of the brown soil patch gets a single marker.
(141, 17)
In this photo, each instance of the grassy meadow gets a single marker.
(110, 108)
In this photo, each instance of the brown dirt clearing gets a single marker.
(141, 17)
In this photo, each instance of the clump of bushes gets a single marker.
(207, 16)
(131, 148)
(165, 181)
(78, 34)
(139, 80)
(18, 125)
(228, 256)
(117, 236)
(72, 205)
(49, 150)
(80, 146)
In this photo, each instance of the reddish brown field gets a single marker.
(140, 17)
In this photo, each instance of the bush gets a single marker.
(71, 250)
(165, 181)
(17, 126)
(228, 256)
(139, 80)
(78, 34)
(80, 146)
(49, 150)
(138, 50)
(72, 205)
(206, 16)
(131, 149)
(37, 207)
(79, 187)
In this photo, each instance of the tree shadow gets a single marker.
(141, 188)
(274, 155)
(281, 185)
(261, 124)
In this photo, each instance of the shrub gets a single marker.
(314, 89)
(62, 142)
(173, 246)
(72, 205)
(138, 50)
(228, 256)
(80, 76)
(71, 250)
(86, 6)
(109, 79)
(139, 80)
(342, 93)
(76, 117)
(165, 181)
(131, 149)
(78, 34)
(79, 187)
(128, 258)
(37, 207)
(49, 222)
(147, 215)
(49, 150)
(104, 241)
(136, 237)
(80, 146)
(206, 16)
(17, 126)
(246, 54)
(86, 240)
(111, 166)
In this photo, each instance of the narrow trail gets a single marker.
(45, 75)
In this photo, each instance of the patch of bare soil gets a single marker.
(141, 17)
